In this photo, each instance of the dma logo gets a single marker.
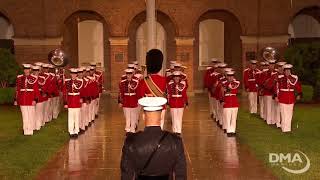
(295, 163)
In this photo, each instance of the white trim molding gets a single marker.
(119, 41)
(264, 39)
(39, 42)
(184, 41)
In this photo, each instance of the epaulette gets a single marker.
(123, 80)
(20, 75)
(170, 82)
(280, 76)
(208, 68)
(246, 69)
(183, 82)
(67, 79)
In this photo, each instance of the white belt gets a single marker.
(73, 94)
(287, 90)
(230, 95)
(29, 90)
(177, 95)
(251, 79)
(129, 94)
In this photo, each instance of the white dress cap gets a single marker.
(51, 66)
(36, 67)
(253, 61)
(129, 70)
(227, 69)
(135, 62)
(281, 63)
(73, 70)
(222, 65)
(272, 61)
(214, 60)
(173, 62)
(230, 73)
(152, 103)
(176, 73)
(177, 65)
(287, 66)
(45, 65)
(38, 64)
(131, 65)
(26, 66)
(93, 64)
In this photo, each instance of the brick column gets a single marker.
(255, 45)
(33, 50)
(184, 53)
(119, 61)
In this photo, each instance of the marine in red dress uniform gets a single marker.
(260, 81)
(287, 86)
(251, 86)
(178, 100)
(128, 100)
(154, 61)
(73, 101)
(230, 103)
(27, 92)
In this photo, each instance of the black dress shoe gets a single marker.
(225, 131)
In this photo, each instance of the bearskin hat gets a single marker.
(154, 61)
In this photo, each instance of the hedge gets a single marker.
(7, 95)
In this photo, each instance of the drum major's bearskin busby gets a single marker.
(154, 61)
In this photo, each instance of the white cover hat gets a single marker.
(36, 67)
(45, 65)
(214, 60)
(73, 70)
(253, 61)
(272, 61)
(93, 64)
(222, 65)
(176, 73)
(51, 66)
(152, 103)
(39, 64)
(177, 65)
(287, 66)
(281, 63)
(129, 70)
(131, 65)
(135, 62)
(230, 73)
(26, 66)
(173, 62)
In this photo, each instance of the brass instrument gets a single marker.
(58, 58)
(269, 53)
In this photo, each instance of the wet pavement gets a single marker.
(210, 153)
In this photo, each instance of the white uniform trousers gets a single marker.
(55, 107)
(210, 103)
(214, 107)
(73, 120)
(163, 115)
(261, 103)
(252, 96)
(176, 114)
(138, 113)
(39, 109)
(87, 115)
(131, 119)
(28, 118)
(220, 113)
(50, 109)
(230, 117)
(286, 112)
(46, 109)
(268, 108)
(275, 113)
(83, 116)
(91, 109)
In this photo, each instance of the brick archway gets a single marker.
(168, 25)
(70, 40)
(232, 43)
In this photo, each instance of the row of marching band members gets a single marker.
(275, 88)
(37, 94)
(42, 89)
(222, 88)
(81, 94)
(133, 86)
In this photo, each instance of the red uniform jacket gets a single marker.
(250, 79)
(206, 80)
(286, 87)
(230, 94)
(177, 94)
(143, 90)
(268, 82)
(127, 93)
(27, 90)
(213, 82)
(43, 88)
(53, 86)
(217, 93)
(260, 80)
(71, 92)
(84, 92)
(99, 79)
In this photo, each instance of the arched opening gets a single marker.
(222, 30)
(86, 39)
(6, 33)
(141, 43)
(305, 26)
(166, 32)
(211, 41)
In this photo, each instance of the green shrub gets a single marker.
(9, 68)
(7, 95)
(306, 61)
